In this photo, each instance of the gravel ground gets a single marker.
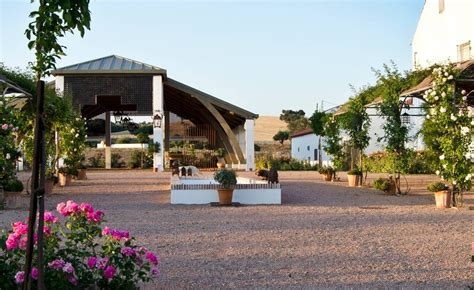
(325, 235)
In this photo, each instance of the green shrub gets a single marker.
(355, 171)
(13, 185)
(135, 159)
(116, 161)
(327, 170)
(437, 186)
(226, 177)
(97, 161)
(382, 184)
(125, 140)
(413, 162)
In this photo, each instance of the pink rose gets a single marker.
(50, 218)
(71, 207)
(68, 268)
(12, 241)
(72, 279)
(109, 272)
(127, 251)
(152, 258)
(105, 231)
(56, 264)
(47, 230)
(61, 208)
(85, 207)
(102, 263)
(155, 272)
(20, 277)
(95, 216)
(20, 228)
(4, 126)
(34, 273)
(119, 235)
(91, 262)
(23, 243)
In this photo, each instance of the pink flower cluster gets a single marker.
(71, 208)
(20, 276)
(18, 238)
(67, 268)
(6, 126)
(116, 234)
(102, 264)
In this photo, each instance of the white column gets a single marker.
(59, 84)
(249, 144)
(158, 136)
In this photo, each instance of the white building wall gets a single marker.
(303, 149)
(438, 34)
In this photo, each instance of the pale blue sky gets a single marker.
(264, 56)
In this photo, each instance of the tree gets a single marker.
(281, 136)
(333, 144)
(143, 138)
(50, 21)
(317, 122)
(356, 122)
(295, 120)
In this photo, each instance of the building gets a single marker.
(115, 85)
(445, 33)
(304, 147)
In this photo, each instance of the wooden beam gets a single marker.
(227, 130)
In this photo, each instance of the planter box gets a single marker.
(443, 199)
(64, 179)
(353, 180)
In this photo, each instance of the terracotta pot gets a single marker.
(327, 177)
(225, 196)
(353, 180)
(64, 179)
(82, 174)
(443, 199)
(48, 186)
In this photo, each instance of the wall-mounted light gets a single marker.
(157, 120)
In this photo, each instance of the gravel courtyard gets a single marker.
(323, 235)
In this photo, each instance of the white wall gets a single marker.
(302, 148)
(158, 136)
(438, 34)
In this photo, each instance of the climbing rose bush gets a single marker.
(78, 252)
(450, 111)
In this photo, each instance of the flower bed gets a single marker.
(78, 253)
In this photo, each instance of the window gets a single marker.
(405, 118)
(298, 149)
(440, 6)
(316, 156)
(464, 51)
(307, 147)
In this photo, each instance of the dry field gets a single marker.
(325, 235)
(267, 126)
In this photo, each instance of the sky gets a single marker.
(264, 56)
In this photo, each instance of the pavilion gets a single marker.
(117, 84)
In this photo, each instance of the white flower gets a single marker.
(454, 118)
(463, 92)
(450, 77)
(73, 131)
(442, 110)
(444, 80)
(85, 136)
(77, 119)
(468, 177)
(465, 130)
(75, 149)
(468, 155)
(77, 135)
(436, 98)
(428, 117)
(454, 182)
(437, 172)
(1, 103)
(443, 94)
(434, 83)
(464, 98)
(7, 156)
(472, 122)
(446, 74)
(444, 166)
(441, 157)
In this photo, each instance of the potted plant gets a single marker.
(65, 176)
(385, 184)
(220, 152)
(51, 179)
(227, 178)
(82, 172)
(353, 177)
(328, 172)
(441, 193)
(11, 193)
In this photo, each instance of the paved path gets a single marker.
(324, 235)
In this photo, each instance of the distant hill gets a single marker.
(267, 126)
